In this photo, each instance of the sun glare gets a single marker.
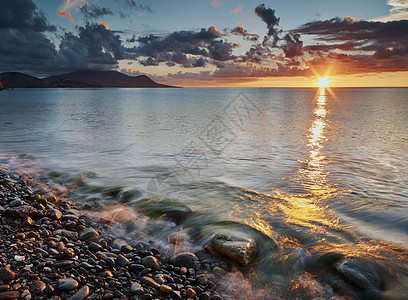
(323, 82)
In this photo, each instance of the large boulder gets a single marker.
(186, 259)
(238, 249)
(359, 275)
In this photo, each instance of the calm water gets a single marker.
(315, 170)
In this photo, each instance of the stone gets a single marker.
(122, 261)
(51, 198)
(16, 203)
(186, 259)
(67, 284)
(241, 250)
(136, 289)
(21, 211)
(359, 275)
(37, 287)
(191, 293)
(136, 267)
(54, 214)
(88, 234)
(151, 262)
(20, 236)
(165, 289)
(205, 296)
(69, 252)
(6, 275)
(94, 247)
(82, 293)
(150, 282)
(159, 278)
(202, 279)
(118, 244)
(11, 295)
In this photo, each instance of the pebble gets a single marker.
(82, 293)
(151, 262)
(186, 259)
(150, 282)
(88, 234)
(6, 275)
(136, 289)
(11, 295)
(122, 261)
(165, 289)
(67, 284)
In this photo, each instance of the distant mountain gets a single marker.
(20, 80)
(79, 79)
(106, 79)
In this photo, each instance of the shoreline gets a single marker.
(51, 250)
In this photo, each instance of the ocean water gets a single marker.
(304, 172)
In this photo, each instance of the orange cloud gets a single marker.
(65, 14)
(238, 9)
(104, 24)
(215, 3)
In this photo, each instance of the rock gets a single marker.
(88, 234)
(37, 287)
(51, 198)
(122, 261)
(67, 284)
(81, 294)
(150, 282)
(21, 211)
(54, 214)
(165, 289)
(151, 262)
(106, 257)
(12, 295)
(16, 203)
(159, 278)
(202, 279)
(191, 293)
(20, 236)
(136, 289)
(136, 267)
(6, 275)
(238, 249)
(186, 259)
(118, 244)
(94, 247)
(359, 275)
(205, 296)
(69, 252)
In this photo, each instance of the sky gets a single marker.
(200, 43)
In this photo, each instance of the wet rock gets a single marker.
(136, 289)
(67, 284)
(186, 259)
(191, 293)
(202, 279)
(16, 203)
(118, 244)
(165, 289)
(6, 275)
(37, 287)
(150, 282)
(238, 249)
(94, 247)
(54, 214)
(21, 211)
(136, 267)
(88, 234)
(81, 294)
(122, 261)
(359, 275)
(205, 296)
(11, 295)
(151, 262)
(20, 236)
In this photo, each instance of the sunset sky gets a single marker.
(211, 43)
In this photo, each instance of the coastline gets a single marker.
(51, 249)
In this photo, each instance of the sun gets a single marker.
(323, 82)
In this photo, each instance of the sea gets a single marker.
(312, 176)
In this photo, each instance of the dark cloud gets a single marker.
(23, 15)
(131, 5)
(293, 45)
(94, 11)
(268, 16)
(240, 31)
(94, 46)
(182, 47)
(367, 46)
